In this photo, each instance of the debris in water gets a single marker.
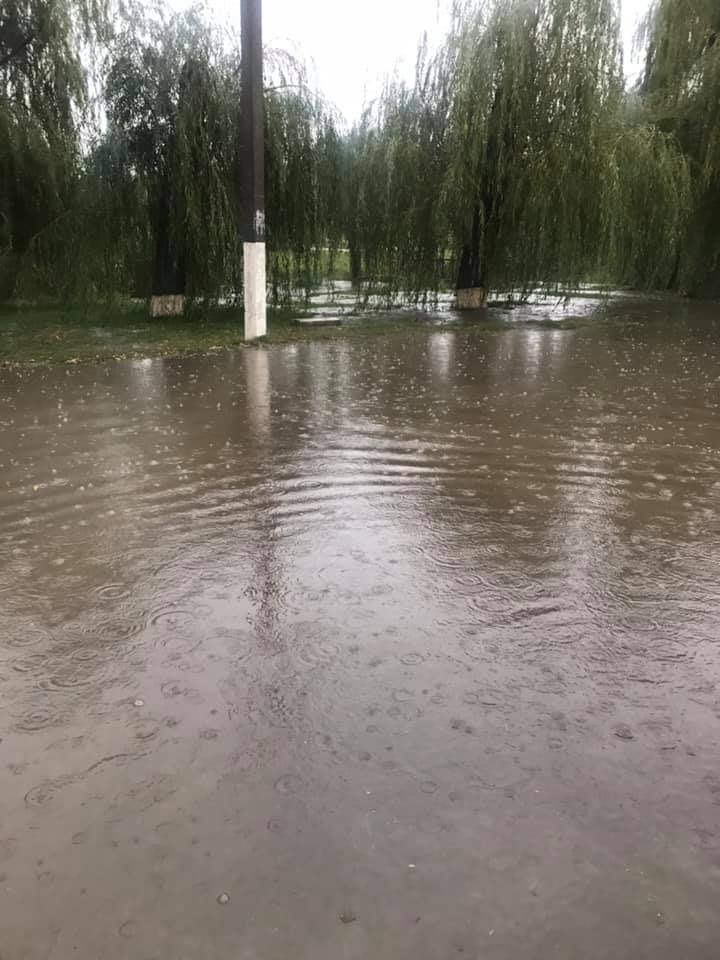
(347, 917)
(138, 702)
(223, 898)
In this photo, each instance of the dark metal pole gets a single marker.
(252, 176)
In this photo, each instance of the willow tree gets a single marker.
(647, 204)
(146, 200)
(397, 223)
(173, 99)
(45, 48)
(170, 96)
(303, 179)
(681, 88)
(510, 163)
(538, 91)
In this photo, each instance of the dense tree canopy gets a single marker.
(516, 159)
(43, 93)
(681, 90)
(149, 200)
(511, 161)
(170, 95)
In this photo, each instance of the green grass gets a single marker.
(339, 269)
(76, 334)
(59, 334)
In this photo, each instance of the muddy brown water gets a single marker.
(379, 648)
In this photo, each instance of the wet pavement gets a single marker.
(378, 648)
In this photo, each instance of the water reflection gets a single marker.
(432, 598)
(257, 398)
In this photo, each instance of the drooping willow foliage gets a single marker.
(153, 203)
(170, 104)
(681, 90)
(515, 160)
(43, 100)
(303, 180)
(511, 162)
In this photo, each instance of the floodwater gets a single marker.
(404, 647)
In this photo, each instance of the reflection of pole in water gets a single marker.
(442, 355)
(267, 586)
(257, 378)
(267, 580)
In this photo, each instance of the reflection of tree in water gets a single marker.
(266, 588)
(552, 474)
(578, 460)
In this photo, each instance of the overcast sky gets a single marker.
(350, 45)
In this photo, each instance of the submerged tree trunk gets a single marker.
(469, 290)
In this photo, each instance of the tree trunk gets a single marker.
(168, 283)
(470, 294)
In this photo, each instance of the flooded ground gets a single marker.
(386, 648)
(339, 301)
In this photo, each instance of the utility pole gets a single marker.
(252, 175)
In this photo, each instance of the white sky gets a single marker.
(351, 46)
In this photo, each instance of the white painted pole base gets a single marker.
(471, 298)
(167, 305)
(255, 291)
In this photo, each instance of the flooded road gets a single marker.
(378, 648)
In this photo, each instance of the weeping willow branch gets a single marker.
(680, 88)
(43, 91)
(513, 161)
(155, 206)
(510, 162)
